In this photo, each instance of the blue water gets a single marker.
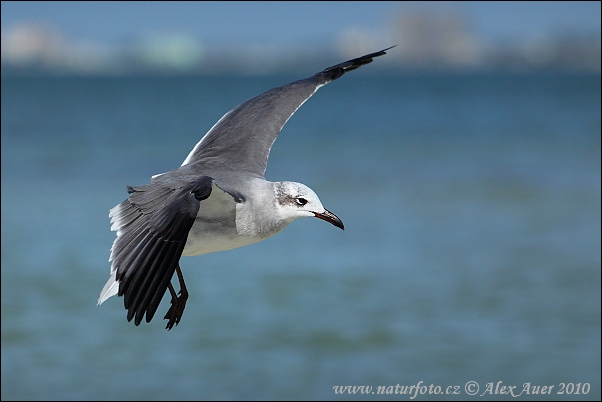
(471, 249)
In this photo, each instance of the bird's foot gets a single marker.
(178, 303)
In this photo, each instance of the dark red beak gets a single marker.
(330, 217)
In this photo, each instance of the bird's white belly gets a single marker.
(206, 237)
(215, 227)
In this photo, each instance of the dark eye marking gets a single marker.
(300, 201)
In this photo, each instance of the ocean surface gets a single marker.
(471, 250)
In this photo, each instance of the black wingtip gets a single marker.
(338, 70)
(375, 54)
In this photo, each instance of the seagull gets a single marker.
(217, 200)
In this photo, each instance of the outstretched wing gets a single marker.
(152, 228)
(242, 138)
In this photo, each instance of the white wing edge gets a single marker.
(110, 289)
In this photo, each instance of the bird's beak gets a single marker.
(330, 217)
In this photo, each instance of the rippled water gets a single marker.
(471, 248)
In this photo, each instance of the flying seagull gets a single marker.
(217, 200)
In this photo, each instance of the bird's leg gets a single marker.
(174, 314)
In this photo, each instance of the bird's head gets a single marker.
(296, 200)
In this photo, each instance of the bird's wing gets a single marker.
(242, 138)
(152, 228)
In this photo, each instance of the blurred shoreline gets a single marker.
(427, 41)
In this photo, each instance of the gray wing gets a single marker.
(152, 228)
(242, 138)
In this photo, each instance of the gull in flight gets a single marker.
(217, 200)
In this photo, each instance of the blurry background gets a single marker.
(465, 165)
(267, 37)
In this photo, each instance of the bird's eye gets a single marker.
(301, 201)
